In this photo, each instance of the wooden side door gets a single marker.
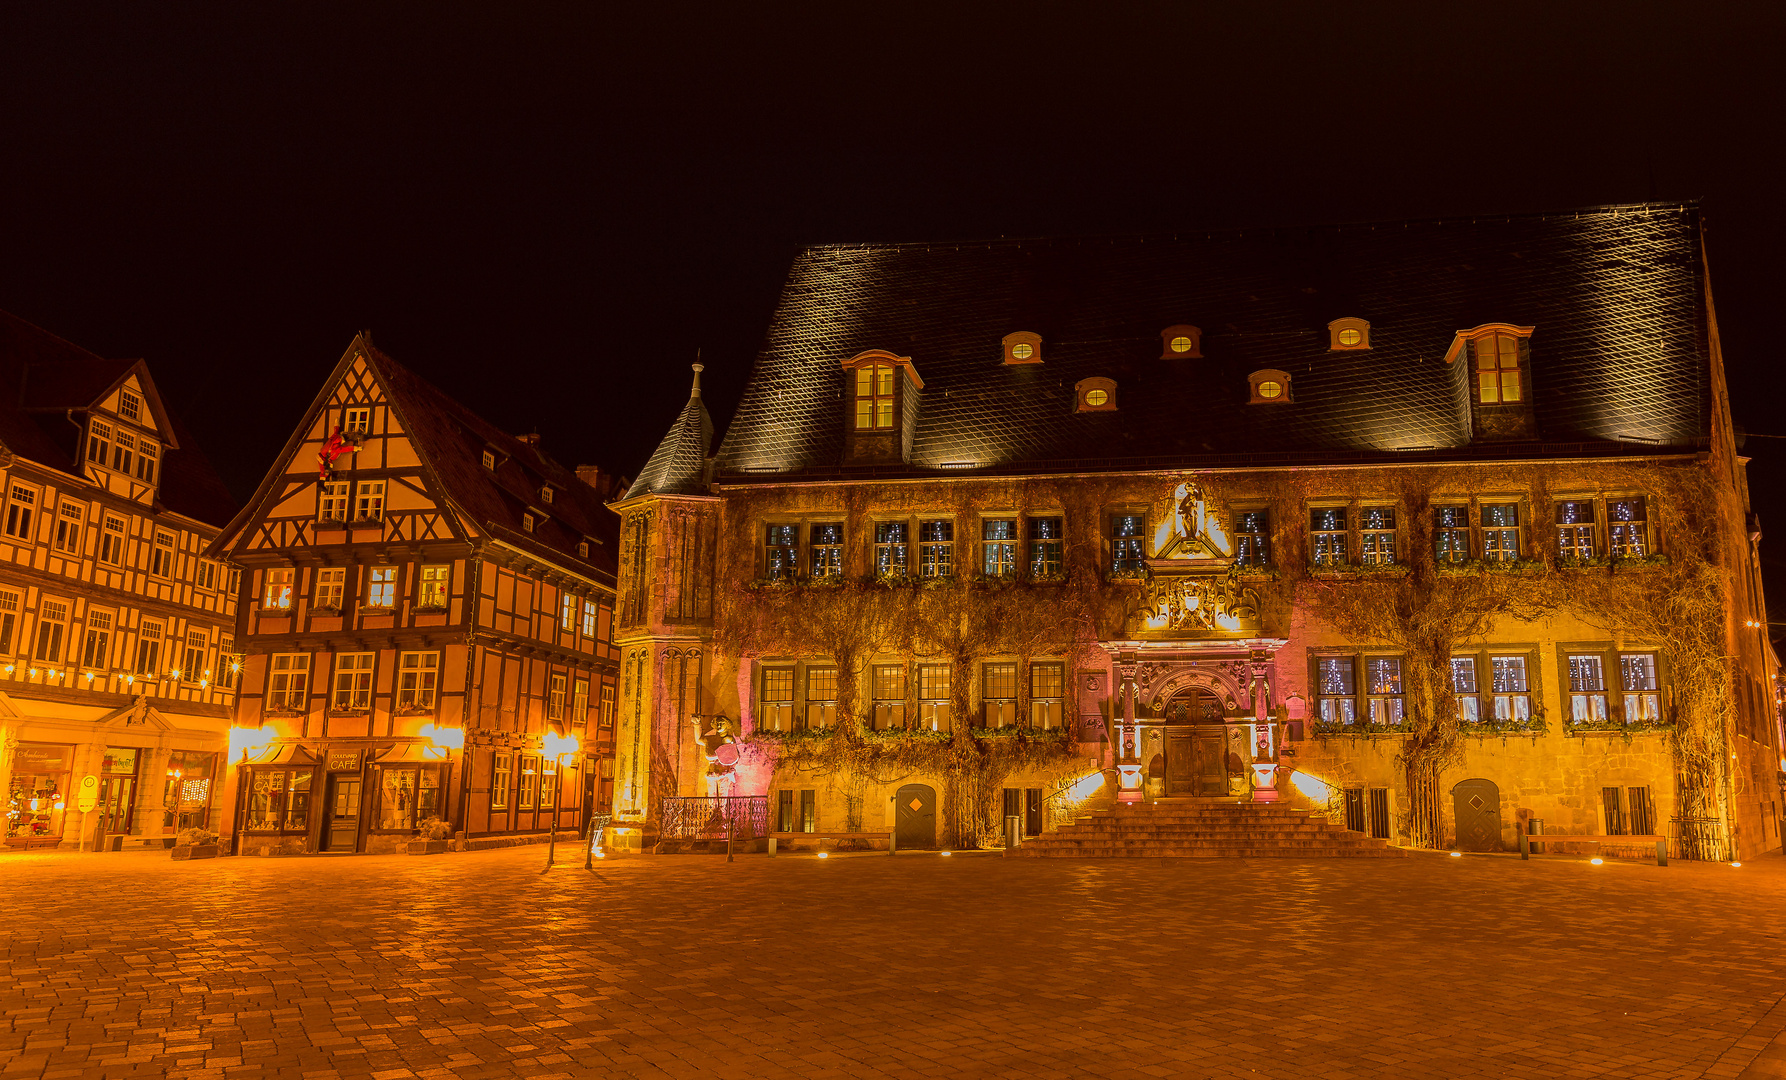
(914, 823)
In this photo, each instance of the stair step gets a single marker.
(1204, 828)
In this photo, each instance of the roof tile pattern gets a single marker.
(679, 464)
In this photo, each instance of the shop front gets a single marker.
(276, 788)
(39, 794)
(340, 799)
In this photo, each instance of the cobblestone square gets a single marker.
(480, 965)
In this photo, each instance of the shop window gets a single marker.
(278, 800)
(934, 707)
(1575, 530)
(192, 667)
(1094, 395)
(1023, 347)
(353, 682)
(1587, 689)
(1252, 538)
(9, 619)
(21, 510)
(555, 698)
(111, 541)
(936, 549)
(1327, 535)
(827, 550)
(1348, 334)
(821, 697)
(52, 624)
(1627, 528)
(776, 700)
(370, 504)
(279, 586)
(407, 797)
(998, 547)
(500, 768)
(38, 795)
(331, 588)
(1336, 686)
(381, 587)
(147, 454)
(148, 650)
(130, 407)
(999, 695)
(431, 588)
(123, 453)
(332, 501)
(530, 782)
(1128, 553)
(288, 682)
(418, 675)
(605, 712)
(1268, 387)
(1383, 683)
(1500, 532)
(1181, 342)
(1497, 368)
(874, 397)
(161, 557)
(1464, 685)
(567, 612)
(99, 442)
(890, 547)
(187, 800)
(1046, 537)
(1451, 534)
(889, 696)
(779, 554)
(1047, 689)
(69, 518)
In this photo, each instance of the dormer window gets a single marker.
(1023, 347)
(527, 522)
(1496, 355)
(874, 397)
(130, 407)
(546, 494)
(1095, 395)
(1269, 386)
(582, 549)
(490, 460)
(99, 442)
(1349, 334)
(1181, 342)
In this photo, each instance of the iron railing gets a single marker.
(1698, 838)
(699, 818)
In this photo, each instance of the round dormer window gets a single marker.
(1351, 336)
(1023, 350)
(1095, 398)
(1270, 388)
(1182, 344)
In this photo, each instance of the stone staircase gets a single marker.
(1204, 828)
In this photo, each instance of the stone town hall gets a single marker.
(1440, 526)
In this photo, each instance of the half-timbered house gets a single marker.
(426, 617)
(117, 652)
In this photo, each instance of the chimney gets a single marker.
(532, 439)
(605, 483)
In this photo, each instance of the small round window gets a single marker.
(1096, 397)
(1181, 344)
(1350, 336)
(1023, 350)
(1271, 388)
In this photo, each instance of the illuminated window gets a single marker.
(889, 696)
(821, 697)
(332, 501)
(605, 710)
(1180, 341)
(1045, 540)
(381, 587)
(1348, 333)
(1377, 542)
(371, 501)
(874, 397)
(1627, 529)
(1327, 535)
(934, 709)
(1252, 538)
(279, 585)
(589, 619)
(353, 682)
(1497, 368)
(555, 698)
(1047, 688)
(1023, 347)
(1269, 387)
(779, 553)
(546, 495)
(432, 589)
(1095, 395)
(229, 664)
(1128, 552)
(1383, 683)
(1587, 689)
(1463, 684)
(827, 550)
(580, 702)
(567, 613)
(1637, 678)
(1575, 530)
(1451, 534)
(1511, 690)
(775, 711)
(1336, 689)
(1500, 532)
(490, 460)
(530, 782)
(998, 547)
(936, 549)
(890, 548)
(999, 695)
(288, 682)
(501, 768)
(331, 587)
(357, 421)
(418, 675)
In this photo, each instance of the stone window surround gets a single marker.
(865, 684)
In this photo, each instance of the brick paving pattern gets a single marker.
(478, 965)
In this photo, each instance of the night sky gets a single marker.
(548, 209)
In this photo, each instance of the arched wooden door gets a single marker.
(1478, 807)
(915, 816)
(1195, 761)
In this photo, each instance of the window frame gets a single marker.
(1569, 545)
(369, 496)
(280, 583)
(936, 712)
(1045, 533)
(21, 514)
(350, 693)
(998, 554)
(194, 652)
(1128, 551)
(888, 685)
(12, 605)
(775, 713)
(418, 683)
(874, 397)
(1619, 541)
(825, 556)
(288, 683)
(1345, 713)
(381, 587)
(54, 617)
(1261, 538)
(998, 710)
(69, 528)
(1494, 536)
(1498, 370)
(1384, 708)
(1322, 541)
(820, 713)
(164, 555)
(112, 541)
(329, 589)
(502, 766)
(1373, 538)
(936, 554)
(892, 548)
(1451, 534)
(1046, 708)
(781, 551)
(431, 579)
(149, 637)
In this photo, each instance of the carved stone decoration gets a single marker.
(1199, 602)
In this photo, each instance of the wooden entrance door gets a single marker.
(117, 796)
(1478, 807)
(915, 816)
(341, 826)
(1196, 761)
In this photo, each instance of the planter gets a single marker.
(196, 851)
(429, 847)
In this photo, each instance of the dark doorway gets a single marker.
(915, 816)
(341, 828)
(1478, 804)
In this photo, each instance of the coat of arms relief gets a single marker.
(1193, 588)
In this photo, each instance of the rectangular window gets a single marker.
(1127, 553)
(934, 712)
(1637, 678)
(69, 518)
(827, 550)
(998, 547)
(784, 810)
(130, 407)
(278, 800)
(889, 696)
(353, 682)
(1500, 532)
(21, 510)
(148, 650)
(111, 541)
(567, 612)
(279, 581)
(1047, 685)
(589, 619)
(890, 548)
(9, 619)
(1627, 528)
(555, 698)
(548, 783)
(193, 668)
(1643, 816)
(1377, 542)
(936, 549)
(418, 674)
(821, 697)
(1463, 684)
(288, 683)
(123, 454)
(809, 811)
(580, 702)
(1045, 539)
(605, 712)
(147, 453)
(999, 694)
(332, 503)
(205, 577)
(356, 421)
(1327, 536)
(1497, 368)
(500, 768)
(1336, 688)
(780, 555)
(1252, 538)
(1611, 799)
(370, 504)
(431, 592)
(161, 559)
(874, 397)
(1512, 691)
(52, 624)
(331, 588)
(229, 664)
(530, 782)
(777, 700)
(397, 791)
(99, 441)
(1575, 530)
(1587, 689)
(381, 587)
(1451, 534)
(1383, 676)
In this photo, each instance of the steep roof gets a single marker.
(679, 464)
(44, 378)
(1619, 354)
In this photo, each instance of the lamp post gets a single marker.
(559, 746)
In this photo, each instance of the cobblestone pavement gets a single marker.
(478, 965)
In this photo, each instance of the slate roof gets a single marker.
(44, 378)
(1619, 356)
(679, 464)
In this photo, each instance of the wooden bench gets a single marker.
(818, 837)
(1526, 841)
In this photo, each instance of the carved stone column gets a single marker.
(1128, 762)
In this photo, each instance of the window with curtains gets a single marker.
(889, 696)
(279, 586)
(431, 588)
(1383, 685)
(775, 700)
(1510, 689)
(999, 547)
(1587, 689)
(821, 697)
(934, 710)
(332, 501)
(1575, 530)
(1336, 689)
(1463, 684)
(369, 506)
(1377, 539)
(567, 612)
(1047, 690)
(999, 695)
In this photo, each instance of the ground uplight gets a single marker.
(1457, 854)
(824, 854)
(1596, 862)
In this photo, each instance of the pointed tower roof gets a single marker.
(679, 465)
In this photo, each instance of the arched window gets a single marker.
(1269, 387)
(1023, 347)
(1181, 342)
(1344, 335)
(1497, 368)
(874, 397)
(1094, 395)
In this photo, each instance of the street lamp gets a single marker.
(560, 747)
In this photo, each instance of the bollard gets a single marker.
(1013, 831)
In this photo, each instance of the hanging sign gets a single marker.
(86, 796)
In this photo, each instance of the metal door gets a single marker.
(915, 818)
(1478, 806)
(342, 829)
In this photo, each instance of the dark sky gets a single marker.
(547, 209)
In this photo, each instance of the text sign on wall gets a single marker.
(344, 760)
(86, 796)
